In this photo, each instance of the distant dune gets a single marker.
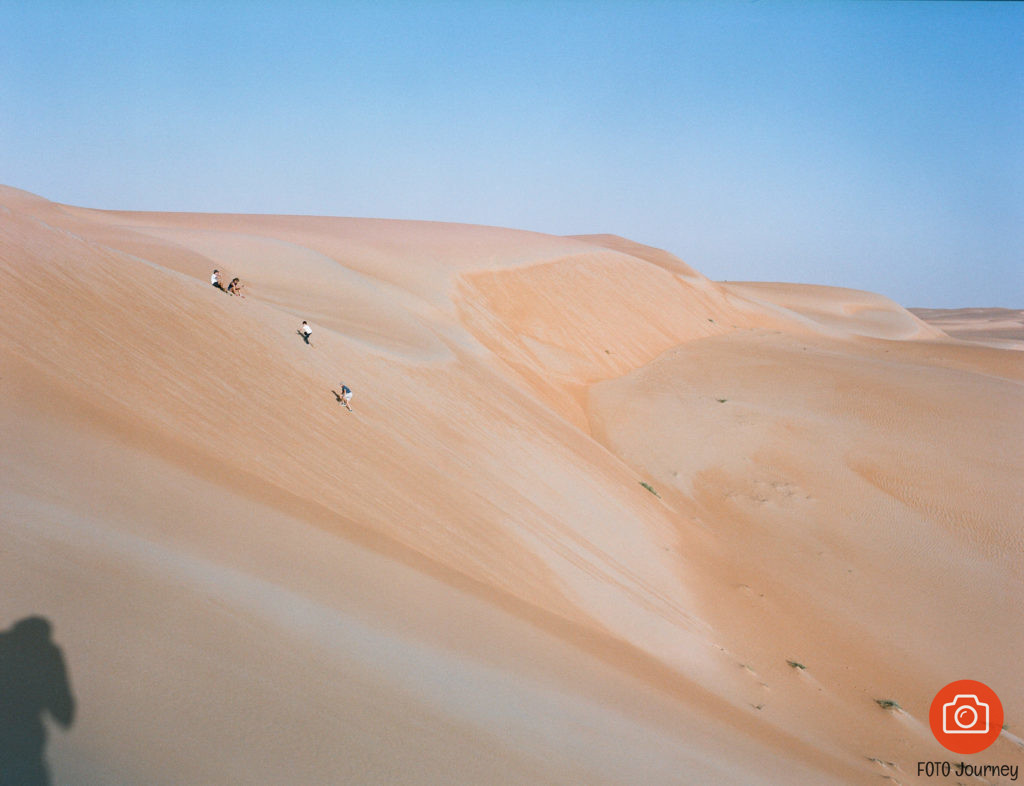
(999, 327)
(593, 519)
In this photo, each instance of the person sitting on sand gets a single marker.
(306, 331)
(234, 288)
(215, 280)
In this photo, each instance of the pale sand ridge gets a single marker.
(997, 327)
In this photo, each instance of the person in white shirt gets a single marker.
(215, 280)
(346, 395)
(306, 331)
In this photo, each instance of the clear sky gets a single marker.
(874, 145)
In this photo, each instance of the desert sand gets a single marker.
(997, 327)
(593, 519)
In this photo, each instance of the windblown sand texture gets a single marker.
(466, 580)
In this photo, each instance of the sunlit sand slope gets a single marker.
(587, 506)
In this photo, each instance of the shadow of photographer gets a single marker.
(33, 683)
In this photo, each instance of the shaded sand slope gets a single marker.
(464, 580)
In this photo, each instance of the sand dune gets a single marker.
(997, 327)
(588, 505)
(841, 311)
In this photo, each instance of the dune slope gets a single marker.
(588, 505)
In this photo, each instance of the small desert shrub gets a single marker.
(650, 488)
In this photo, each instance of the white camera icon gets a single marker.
(966, 714)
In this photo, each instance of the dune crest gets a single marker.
(588, 509)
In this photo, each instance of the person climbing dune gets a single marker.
(305, 331)
(346, 396)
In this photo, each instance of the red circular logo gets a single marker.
(966, 716)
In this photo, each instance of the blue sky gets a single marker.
(873, 145)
